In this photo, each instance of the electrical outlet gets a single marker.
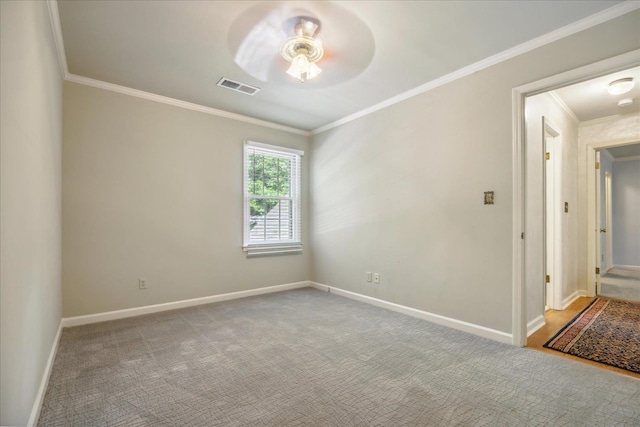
(368, 276)
(142, 284)
(376, 277)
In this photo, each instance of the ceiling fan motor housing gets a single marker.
(302, 45)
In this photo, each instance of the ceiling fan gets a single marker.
(279, 43)
(303, 50)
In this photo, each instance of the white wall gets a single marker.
(400, 191)
(537, 107)
(626, 212)
(30, 205)
(155, 191)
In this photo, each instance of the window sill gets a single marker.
(264, 250)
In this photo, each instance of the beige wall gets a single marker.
(537, 107)
(155, 191)
(400, 191)
(30, 205)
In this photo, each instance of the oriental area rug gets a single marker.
(607, 331)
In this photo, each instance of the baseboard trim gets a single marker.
(148, 309)
(44, 382)
(471, 328)
(570, 299)
(319, 286)
(535, 324)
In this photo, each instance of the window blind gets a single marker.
(272, 206)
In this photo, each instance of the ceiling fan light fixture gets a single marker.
(618, 87)
(303, 51)
(302, 69)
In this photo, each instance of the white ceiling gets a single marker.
(590, 100)
(623, 151)
(375, 49)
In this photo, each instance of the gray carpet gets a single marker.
(621, 283)
(306, 358)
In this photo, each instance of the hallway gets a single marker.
(621, 283)
(555, 320)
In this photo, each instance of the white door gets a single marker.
(600, 237)
(608, 223)
(549, 220)
(553, 218)
(604, 219)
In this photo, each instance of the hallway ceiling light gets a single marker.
(303, 51)
(625, 102)
(621, 86)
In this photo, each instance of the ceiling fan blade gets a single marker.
(255, 39)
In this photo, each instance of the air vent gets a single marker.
(238, 87)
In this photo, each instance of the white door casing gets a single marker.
(553, 214)
(598, 213)
(608, 222)
(604, 257)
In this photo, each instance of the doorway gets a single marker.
(525, 261)
(617, 205)
(601, 244)
(604, 219)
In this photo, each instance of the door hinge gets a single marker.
(547, 279)
(547, 155)
(597, 165)
(597, 270)
(522, 235)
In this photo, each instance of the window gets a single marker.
(271, 199)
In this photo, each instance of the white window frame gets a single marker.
(279, 246)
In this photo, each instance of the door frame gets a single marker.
(604, 248)
(593, 214)
(608, 220)
(519, 158)
(598, 214)
(552, 236)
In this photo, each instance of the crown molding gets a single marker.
(588, 22)
(625, 159)
(556, 98)
(54, 16)
(616, 117)
(575, 27)
(182, 104)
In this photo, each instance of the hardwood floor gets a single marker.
(555, 320)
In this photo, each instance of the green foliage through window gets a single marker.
(268, 176)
